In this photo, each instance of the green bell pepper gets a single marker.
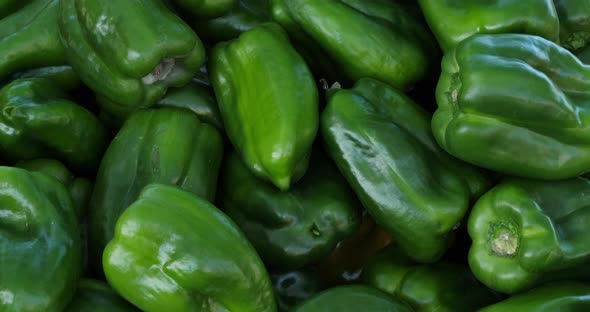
(574, 17)
(382, 143)
(40, 251)
(174, 251)
(294, 287)
(268, 102)
(453, 21)
(293, 228)
(399, 50)
(128, 51)
(438, 287)
(38, 120)
(564, 296)
(515, 104)
(97, 296)
(166, 145)
(526, 232)
(353, 298)
(29, 38)
(205, 8)
(8, 7)
(64, 77)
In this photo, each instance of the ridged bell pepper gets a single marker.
(38, 120)
(453, 21)
(128, 70)
(174, 251)
(205, 8)
(167, 145)
(97, 296)
(526, 232)
(382, 143)
(574, 17)
(40, 251)
(516, 104)
(294, 287)
(268, 102)
(353, 298)
(439, 287)
(293, 228)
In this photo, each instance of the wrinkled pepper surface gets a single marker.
(97, 296)
(382, 143)
(294, 287)
(40, 249)
(37, 120)
(438, 287)
(293, 228)
(166, 145)
(574, 17)
(526, 232)
(174, 251)
(453, 21)
(503, 97)
(128, 70)
(268, 102)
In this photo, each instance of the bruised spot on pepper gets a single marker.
(504, 238)
(160, 72)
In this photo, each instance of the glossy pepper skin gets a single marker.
(399, 51)
(294, 287)
(40, 242)
(353, 298)
(503, 97)
(205, 8)
(562, 296)
(439, 287)
(39, 120)
(293, 228)
(382, 143)
(174, 251)
(128, 70)
(453, 21)
(526, 232)
(166, 145)
(97, 296)
(574, 17)
(64, 77)
(29, 38)
(268, 102)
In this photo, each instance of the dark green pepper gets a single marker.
(564, 296)
(574, 17)
(38, 120)
(584, 54)
(353, 298)
(294, 287)
(97, 296)
(516, 104)
(128, 51)
(526, 232)
(268, 101)
(205, 8)
(63, 77)
(438, 287)
(382, 143)
(8, 7)
(453, 21)
(40, 251)
(293, 228)
(174, 251)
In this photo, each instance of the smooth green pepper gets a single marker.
(97, 296)
(174, 251)
(526, 232)
(439, 287)
(453, 21)
(38, 120)
(294, 287)
(399, 50)
(516, 104)
(382, 143)
(293, 228)
(353, 298)
(574, 17)
(40, 243)
(128, 51)
(268, 102)
(29, 38)
(63, 77)
(564, 296)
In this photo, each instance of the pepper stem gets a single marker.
(503, 238)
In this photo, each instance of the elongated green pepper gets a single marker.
(382, 143)
(268, 102)
(128, 51)
(174, 251)
(97, 296)
(40, 243)
(526, 232)
(516, 104)
(293, 228)
(574, 17)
